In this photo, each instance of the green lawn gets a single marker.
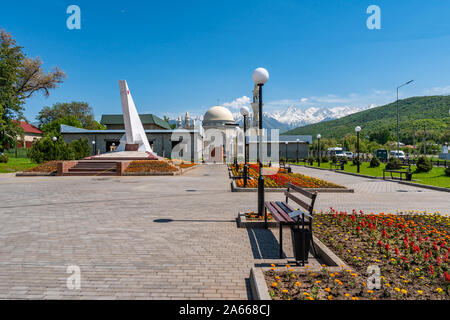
(16, 164)
(435, 177)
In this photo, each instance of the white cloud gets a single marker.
(238, 103)
(438, 91)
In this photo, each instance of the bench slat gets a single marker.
(286, 217)
(300, 190)
(298, 201)
(287, 208)
(275, 212)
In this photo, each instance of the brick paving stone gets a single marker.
(116, 230)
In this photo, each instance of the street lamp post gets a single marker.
(54, 139)
(260, 77)
(318, 148)
(245, 112)
(357, 129)
(398, 131)
(297, 148)
(93, 147)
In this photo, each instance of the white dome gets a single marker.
(218, 113)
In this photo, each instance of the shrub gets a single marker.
(310, 160)
(47, 150)
(447, 171)
(374, 162)
(325, 159)
(355, 161)
(344, 160)
(334, 159)
(4, 158)
(394, 164)
(423, 165)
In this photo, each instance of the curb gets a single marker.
(419, 185)
(258, 285)
(35, 174)
(320, 190)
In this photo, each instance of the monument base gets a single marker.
(125, 155)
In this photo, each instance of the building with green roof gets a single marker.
(149, 121)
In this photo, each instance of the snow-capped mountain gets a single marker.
(292, 117)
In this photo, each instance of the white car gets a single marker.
(349, 155)
(400, 154)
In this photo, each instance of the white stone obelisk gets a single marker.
(134, 131)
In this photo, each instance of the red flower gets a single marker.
(447, 276)
(387, 247)
(431, 270)
(438, 260)
(397, 251)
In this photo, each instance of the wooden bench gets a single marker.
(337, 166)
(280, 212)
(407, 173)
(285, 167)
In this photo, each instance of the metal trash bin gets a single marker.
(301, 241)
(408, 176)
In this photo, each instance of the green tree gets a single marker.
(81, 111)
(53, 128)
(20, 78)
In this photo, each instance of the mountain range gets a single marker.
(292, 117)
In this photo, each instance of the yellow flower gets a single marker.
(439, 290)
(318, 281)
(285, 291)
(330, 297)
(347, 295)
(332, 275)
(397, 289)
(305, 293)
(327, 289)
(298, 284)
(419, 291)
(387, 285)
(404, 291)
(277, 277)
(369, 291)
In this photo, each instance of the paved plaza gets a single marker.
(154, 237)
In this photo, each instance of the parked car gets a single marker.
(400, 154)
(340, 154)
(349, 155)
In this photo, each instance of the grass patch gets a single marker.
(17, 164)
(436, 177)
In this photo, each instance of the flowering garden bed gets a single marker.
(279, 179)
(411, 251)
(151, 166)
(46, 167)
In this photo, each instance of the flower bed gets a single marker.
(46, 167)
(279, 179)
(254, 216)
(151, 166)
(411, 251)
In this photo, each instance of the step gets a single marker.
(92, 169)
(90, 173)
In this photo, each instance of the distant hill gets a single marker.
(416, 113)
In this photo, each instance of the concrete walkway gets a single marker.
(374, 195)
(152, 237)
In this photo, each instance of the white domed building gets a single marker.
(218, 118)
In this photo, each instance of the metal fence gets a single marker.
(16, 153)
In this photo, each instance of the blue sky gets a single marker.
(182, 56)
